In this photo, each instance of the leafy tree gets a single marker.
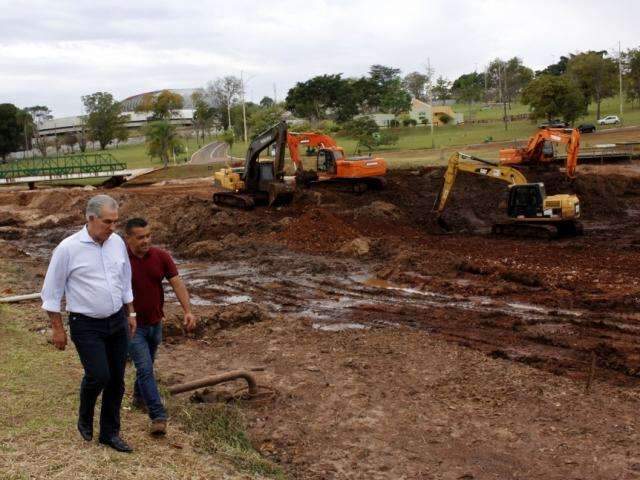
(551, 96)
(395, 99)
(387, 93)
(557, 69)
(223, 94)
(104, 117)
(266, 102)
(227, 137)
(416, 84)
(632, 75)
(70, 140)
(10, 132)
(82, 134)
(163, 105)
(366, 131)
(442, 89)
(39, 114)
(263, 118)
(314, 98)
(595, 74)
(203, 115)
(162, 140)
(27, 127)
(517, 77)
(468, 88)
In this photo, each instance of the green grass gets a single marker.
(221, 430)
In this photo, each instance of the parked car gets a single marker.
(555, 123)
(586, 128)
(609, 120)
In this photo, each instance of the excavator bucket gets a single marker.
(280, 194)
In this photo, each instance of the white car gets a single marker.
(609, 120)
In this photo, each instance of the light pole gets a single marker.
(244, 111)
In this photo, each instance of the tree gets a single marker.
(70, 140)
(27, 126)
(366, 131)
(227, 137)
(557, 69)
(266, 102)
(442, 89)
(517, 77)
(82, 134)
(224, 93)
(386, 91)
(39, 114)
(10, 131)
(162, 140)
(416, 84)
(468, 88)
(104, 117)
(163, 105)
(203, 115)
(261, 119)
(551, 96)
(632, 74)
(315, 98)
(596, 76)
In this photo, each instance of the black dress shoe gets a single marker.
(116, 443)
(86, 430)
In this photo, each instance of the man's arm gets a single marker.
(183, 297)
(53, 291)
(127, 293)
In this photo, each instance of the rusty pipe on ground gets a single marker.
(216, 379)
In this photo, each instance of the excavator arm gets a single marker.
(276, 134)
(310, 139)
(477, 166)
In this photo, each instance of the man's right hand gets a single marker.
(59, 338)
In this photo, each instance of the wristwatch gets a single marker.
(132, 314)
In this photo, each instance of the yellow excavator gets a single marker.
(260, 181)
(530, 212)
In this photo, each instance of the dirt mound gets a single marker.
(317, 230)
(59, 200)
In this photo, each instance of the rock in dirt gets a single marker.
(380, 210)
(204, 249)
(240, 314)
(358, 246)
(230, 240)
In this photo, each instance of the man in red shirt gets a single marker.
(149, 266)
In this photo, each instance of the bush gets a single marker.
(444, 118)
(409, 122)
(394, 123)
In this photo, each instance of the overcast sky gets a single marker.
(54, 51)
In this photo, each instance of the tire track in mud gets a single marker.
(560, 341)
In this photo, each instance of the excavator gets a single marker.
(358, 173)
(530, 212)
(539, 149)
(260, 181)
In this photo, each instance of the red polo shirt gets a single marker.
(147, 274)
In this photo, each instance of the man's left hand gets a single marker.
(189, 322)
(133, 324)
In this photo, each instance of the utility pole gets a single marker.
(244, 112)
(275, 97)
(503, 84)
(620, 77)
(430, 75)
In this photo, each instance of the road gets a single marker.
(215, 152)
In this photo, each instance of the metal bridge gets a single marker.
(87, 165)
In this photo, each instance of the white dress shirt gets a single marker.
(94, 278)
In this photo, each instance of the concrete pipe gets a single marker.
(216, 379)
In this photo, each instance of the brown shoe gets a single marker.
(158, 427)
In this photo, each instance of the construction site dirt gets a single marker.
(395, 349)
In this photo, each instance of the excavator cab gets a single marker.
(526, 200)
(326, 162)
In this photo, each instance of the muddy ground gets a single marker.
(395, 350)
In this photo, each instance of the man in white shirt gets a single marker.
(91, 270)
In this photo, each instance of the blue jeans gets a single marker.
(142, 350)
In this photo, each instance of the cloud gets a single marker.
(54, 52)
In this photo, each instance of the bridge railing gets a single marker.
(87, 163)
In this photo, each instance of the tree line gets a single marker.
(332, 102)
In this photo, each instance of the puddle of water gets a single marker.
(233, 299)
(338, 327)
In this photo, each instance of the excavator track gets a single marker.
(234, 200)
(544, 231)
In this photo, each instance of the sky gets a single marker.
(52, 52)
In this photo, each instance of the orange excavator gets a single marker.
(358, 173)
(539, 149)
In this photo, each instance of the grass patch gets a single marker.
(38, 414)
(221, 430)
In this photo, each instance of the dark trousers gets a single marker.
(102, 346)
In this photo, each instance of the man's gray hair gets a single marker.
(97, 203)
